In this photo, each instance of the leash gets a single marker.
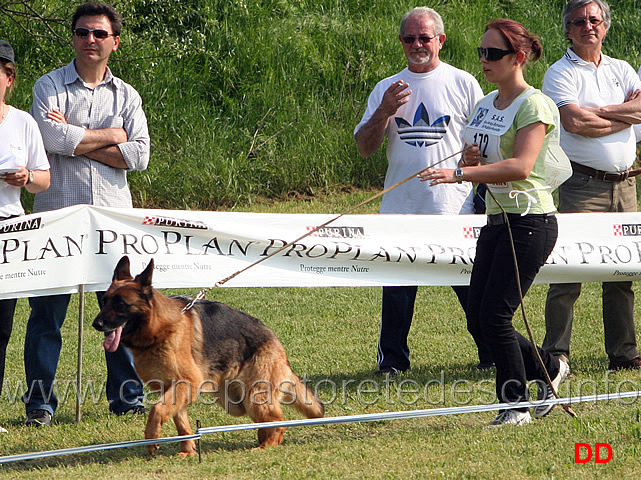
(201, 294)
(566, 407)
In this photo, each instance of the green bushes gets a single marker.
(252, 98)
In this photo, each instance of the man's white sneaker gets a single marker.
(545, 392)
(511, 417)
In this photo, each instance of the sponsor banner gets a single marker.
(55, 252)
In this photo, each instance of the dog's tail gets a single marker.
(302, 398)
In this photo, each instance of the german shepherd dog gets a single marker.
(211, 348)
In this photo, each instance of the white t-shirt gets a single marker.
(428, 128)
(572, 80)
(21, 145)
(637, 128)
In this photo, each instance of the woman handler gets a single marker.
(510, 133)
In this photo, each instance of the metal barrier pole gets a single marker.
(369, 417)
(94, 448)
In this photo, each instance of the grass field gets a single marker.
(330, 335)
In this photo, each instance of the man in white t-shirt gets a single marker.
(637, 128)
(599, 99)
(422, 111)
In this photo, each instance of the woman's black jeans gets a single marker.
(494, 297)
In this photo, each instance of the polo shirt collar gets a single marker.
(574, 58)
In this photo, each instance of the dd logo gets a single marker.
(583, 453)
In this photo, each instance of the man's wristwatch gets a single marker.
(458, 174)
(30, 177)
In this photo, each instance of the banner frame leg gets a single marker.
(81, 317)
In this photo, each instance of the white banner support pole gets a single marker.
(81, 316)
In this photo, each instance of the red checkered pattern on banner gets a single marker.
(468, 232)
(618, 231)
(149, 221)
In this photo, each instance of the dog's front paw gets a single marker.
(152, 449)
(187, 448)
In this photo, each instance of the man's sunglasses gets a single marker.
(99, 34)
(422, 38)
(493, 54)
(579, 22)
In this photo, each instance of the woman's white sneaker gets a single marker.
(511, 417)
(545, 392)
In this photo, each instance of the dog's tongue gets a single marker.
(113, 340)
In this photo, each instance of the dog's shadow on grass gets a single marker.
(420, 374)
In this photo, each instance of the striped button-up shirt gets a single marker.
(79, 179)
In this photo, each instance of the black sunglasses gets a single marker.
(422, 38)
(493, 54)
(99, 34)
(579, 22)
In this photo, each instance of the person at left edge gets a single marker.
(24, 163)
(94, 131)
(422, 110)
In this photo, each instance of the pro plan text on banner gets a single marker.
(55, 252)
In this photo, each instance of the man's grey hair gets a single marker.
(574, 4)
(420, 12)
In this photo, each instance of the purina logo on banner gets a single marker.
(173, 222)
(471, 232)
(21, 225)
(627, 230)
(338, 232)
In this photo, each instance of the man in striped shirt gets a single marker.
(94, 131)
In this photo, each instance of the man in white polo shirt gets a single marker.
(599, 99)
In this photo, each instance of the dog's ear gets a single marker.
(144, 277)
(122, 270)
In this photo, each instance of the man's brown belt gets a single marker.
(605, 176)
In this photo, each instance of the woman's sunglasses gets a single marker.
(493, 54)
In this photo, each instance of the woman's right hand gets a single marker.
(471, 155)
